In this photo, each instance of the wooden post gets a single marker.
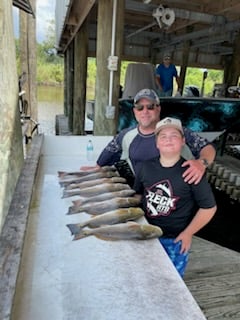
(70, 74)
(184, 65)
(185, 57)
(232, 65)
(65, 92)
(11, 151)
(28, 58)
(102, 125)
(118, 52)
(80, 78)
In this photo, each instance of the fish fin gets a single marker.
(81, 235)
(133, 223)
(70, 186)
(106, 238)
(64, 195)
(72, 210)
(61, 174)
(77, 202)
(74, 228)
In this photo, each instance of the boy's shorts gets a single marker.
(179, 260)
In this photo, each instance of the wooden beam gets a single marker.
(78, 9)
(80, 78)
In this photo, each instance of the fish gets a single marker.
(130, 230)
(105, 196)
(98, 189)
(82, 173)
(92, 176)
(109, 218)
(91, 183)
(100, 207)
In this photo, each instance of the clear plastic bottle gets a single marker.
(89, 150)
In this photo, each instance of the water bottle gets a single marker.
(90, 150)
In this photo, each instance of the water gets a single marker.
(50, 103)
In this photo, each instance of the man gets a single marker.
(165, 72)
(178, 208)
(137, 144)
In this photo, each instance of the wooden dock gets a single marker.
(213, 278)
(212, 275)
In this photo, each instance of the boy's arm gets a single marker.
(202, 217)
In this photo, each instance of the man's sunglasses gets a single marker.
(140, 107)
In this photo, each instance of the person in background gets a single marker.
(165, 72)
(137, 144)
(178, 208)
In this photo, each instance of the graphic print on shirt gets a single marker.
(160, 199)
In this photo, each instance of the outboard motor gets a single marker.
(191, 91)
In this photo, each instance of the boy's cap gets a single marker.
(169, 123)
(147, 94)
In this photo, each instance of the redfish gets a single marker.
(96, 208)
(93, 176)
(105, 196)
(98, 189)
(86, 184)
(122, 231)
(109, 218)
(82, 173)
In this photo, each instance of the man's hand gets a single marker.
(194, 172)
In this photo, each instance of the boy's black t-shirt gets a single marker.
(168, 201)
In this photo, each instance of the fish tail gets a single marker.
(78, 202)
(61, 174)
(64, 195)
(74, 228)
(73, 209)
(81, 234)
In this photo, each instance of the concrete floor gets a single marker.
(90, 278)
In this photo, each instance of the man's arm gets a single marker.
(178, 83)
(203, 152)
(158, 82)
(197, 167)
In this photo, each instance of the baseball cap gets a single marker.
(166, 55)
(147, 94)
(169, 123)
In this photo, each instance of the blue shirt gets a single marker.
(166, 75)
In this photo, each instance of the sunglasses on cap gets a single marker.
(140, 107)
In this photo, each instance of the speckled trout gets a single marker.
(82, 173)
(104, 196)
(98, 189)
(93, 176)
(109, 218)
(86, 184)
(100, 207)
(122, 231)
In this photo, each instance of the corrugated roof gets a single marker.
(24, 5)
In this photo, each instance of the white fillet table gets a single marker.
(90, 279)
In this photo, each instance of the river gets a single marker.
(50, 103)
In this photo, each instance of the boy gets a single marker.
(179, 208)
